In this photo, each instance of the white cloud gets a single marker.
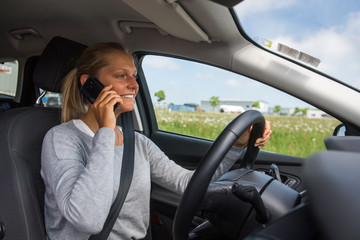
(259, 6)
(353, 26)
(337, 47)
(327, 45)
(161, 63)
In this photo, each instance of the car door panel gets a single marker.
(188, 151)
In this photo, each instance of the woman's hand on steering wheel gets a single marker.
(243, 140)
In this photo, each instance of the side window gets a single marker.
(200, 100)
(8, 78)
(52, 100)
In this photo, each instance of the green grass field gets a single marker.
(297, 136)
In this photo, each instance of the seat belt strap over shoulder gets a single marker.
(127, 170)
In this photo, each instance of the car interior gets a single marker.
(289, 196)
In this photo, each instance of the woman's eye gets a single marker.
(126, 76)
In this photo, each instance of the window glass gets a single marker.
(8, 77)
(52, 100)
(200, 100)
(322, 34)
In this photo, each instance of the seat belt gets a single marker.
(127, 169)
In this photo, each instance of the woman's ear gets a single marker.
(83, 78)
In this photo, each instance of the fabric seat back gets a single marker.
(21, 132)
(22, 189)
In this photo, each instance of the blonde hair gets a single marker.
(74, 104)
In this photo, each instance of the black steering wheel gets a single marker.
(196, 189)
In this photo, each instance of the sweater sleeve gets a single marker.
(168, 174)
(82, 183)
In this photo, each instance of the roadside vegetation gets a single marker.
(297, 136)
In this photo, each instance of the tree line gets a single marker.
(215, 101)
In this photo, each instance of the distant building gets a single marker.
(232, 105)
(284, 111)
(316, 113)
(185, 107)
(231, 109)
(194, 105)
(310, 113)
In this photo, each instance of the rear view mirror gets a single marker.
(339, 130)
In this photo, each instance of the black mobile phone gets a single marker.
(92, 88)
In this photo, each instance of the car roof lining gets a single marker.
(103, 24)
(181, 24)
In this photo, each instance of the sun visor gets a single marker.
(171, 18)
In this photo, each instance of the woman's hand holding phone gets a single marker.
(102, 99)
(104, 107)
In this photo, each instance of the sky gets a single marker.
(328, 30)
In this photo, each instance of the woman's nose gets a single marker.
(133, 83)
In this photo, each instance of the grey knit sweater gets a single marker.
(82, 174)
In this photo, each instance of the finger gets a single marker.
(104, 93)
(104, 90)
(115, 100)
(110, 100)
(267, 129)
(105, 96)
(267, 135)
(260, 145)
(262, 141)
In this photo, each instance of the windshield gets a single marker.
(322, 34)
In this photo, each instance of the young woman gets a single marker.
(81, 158)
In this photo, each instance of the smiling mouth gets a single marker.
(129, 96)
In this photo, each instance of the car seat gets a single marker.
(22, 131)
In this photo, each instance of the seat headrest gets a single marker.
(56, 61)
